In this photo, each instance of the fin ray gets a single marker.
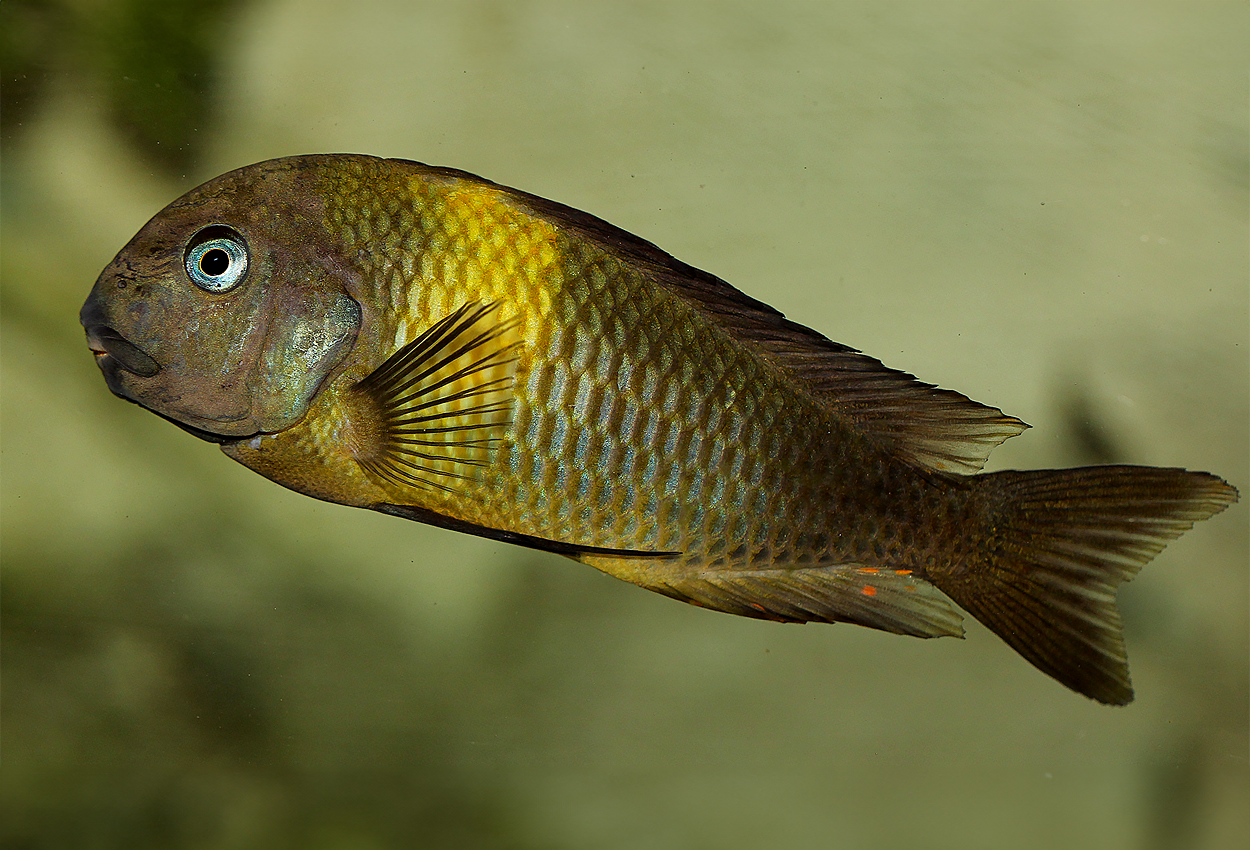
(432, 413)
(897, 601)
(1061, 542)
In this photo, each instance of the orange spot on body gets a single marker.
(902, 572)
(869, 570)
(869, 590)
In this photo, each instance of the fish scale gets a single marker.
(431, 345)
(572, 372)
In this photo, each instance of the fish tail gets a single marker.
(1056, 544)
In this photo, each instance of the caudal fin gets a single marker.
(1058, 544)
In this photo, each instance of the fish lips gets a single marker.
(111, 350)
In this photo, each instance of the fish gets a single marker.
(420, 341)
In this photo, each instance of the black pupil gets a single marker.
(214, 262)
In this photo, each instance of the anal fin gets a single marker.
(892, 600)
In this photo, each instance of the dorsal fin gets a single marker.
(433, 412)
(933, 428)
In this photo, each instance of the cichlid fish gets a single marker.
(426, 343)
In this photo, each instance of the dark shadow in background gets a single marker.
(137, 715)
(153, 63)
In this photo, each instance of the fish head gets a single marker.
(228, 311)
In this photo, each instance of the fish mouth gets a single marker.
(107, 344)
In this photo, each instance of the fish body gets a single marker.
(426, 343)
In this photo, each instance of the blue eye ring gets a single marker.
(216, 259)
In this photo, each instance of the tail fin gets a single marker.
(1059, 542)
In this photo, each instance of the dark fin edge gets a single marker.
(572, 550)
(407, 391)
(1060, 542)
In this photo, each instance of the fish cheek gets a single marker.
(214, 352)
(311, 329)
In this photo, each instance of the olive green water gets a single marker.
(1041, 205)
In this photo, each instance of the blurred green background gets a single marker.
(1041, 205)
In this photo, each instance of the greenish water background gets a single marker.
(1041, 205)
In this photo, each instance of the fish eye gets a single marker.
(216, 259)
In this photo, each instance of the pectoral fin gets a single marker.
(434, 411)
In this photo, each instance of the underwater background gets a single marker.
(1041, 205)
